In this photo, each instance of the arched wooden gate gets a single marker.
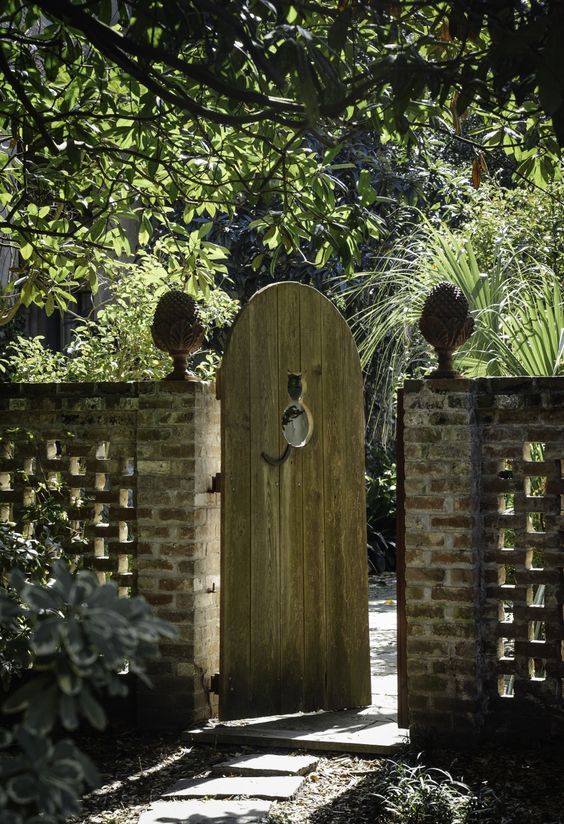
(294, 618)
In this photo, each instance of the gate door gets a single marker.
(294, 615)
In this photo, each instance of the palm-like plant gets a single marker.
(517, 307)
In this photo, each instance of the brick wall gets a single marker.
(483, 555)
(135, 463)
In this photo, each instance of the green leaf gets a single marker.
(91, 709)
(22, 789)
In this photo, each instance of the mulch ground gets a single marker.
(136, 769)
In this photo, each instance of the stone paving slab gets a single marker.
(268, 764)
(378, 739)
(276, 787)
(206, 812)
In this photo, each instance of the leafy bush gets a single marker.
(68, 637)
(117, 345)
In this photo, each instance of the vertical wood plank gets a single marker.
(265, 505)
(235, 596)
(315, 638)
(291, 533)
(346, 586)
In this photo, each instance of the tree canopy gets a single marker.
(166, 113)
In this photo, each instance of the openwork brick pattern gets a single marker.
(132, 465)
(87, 465)
(484, 556)
(521, 502)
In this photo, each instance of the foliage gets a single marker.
(407, 794)
(128, 120)
(78, 634)
(117, 344)
(515, 299)
(380, 490)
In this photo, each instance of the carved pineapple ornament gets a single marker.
(446, 325)
(177, 329)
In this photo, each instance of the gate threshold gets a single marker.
(363, 730)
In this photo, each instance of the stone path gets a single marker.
(257, 780)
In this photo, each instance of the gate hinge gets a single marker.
(214, 683)
(216, 482)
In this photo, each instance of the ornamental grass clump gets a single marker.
(416, 794)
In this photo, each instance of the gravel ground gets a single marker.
(136, 769)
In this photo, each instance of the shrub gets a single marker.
(68, 637)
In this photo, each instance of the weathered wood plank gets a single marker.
(235, 593)
(291, 533)
(315, 640)
(345, 519)
(265, 504)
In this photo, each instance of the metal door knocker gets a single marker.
(297, 422)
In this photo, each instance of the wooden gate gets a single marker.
(294, 616)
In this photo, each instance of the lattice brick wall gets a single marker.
(521, 502)
(484, 556)
(83, 451)
(132, 465)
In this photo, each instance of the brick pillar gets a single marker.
(178, 452)
(442, 546)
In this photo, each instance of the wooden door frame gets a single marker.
(403, 707)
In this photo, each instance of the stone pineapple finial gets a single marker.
(446, 325)
(178, 330)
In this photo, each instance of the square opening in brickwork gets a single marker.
(126, 498)
(123, 564)
(505, 612)
(536, 522)
(507, 537)
(123, 532)
(128, 467)
(535, 486)
(6, 481)
(537, 669)
(29, 466)
(536, 595)
(505, 471)
(537, 631)
(100, 550)
(102, 450)
(534, 451)
(54, 450)
(506, 503)
(6, 513)
(78, 530)
(506, 648)
(78, 497)
(54, 481)
(506, 575)
(77, 466)
(102, 482)
(506, 686)
(7, 450)
(101, 515)
(535, 558)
